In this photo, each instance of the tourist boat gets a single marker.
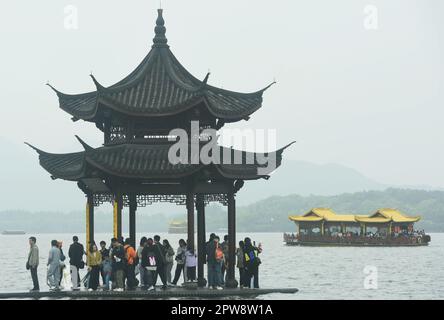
(385, 227)
(13, 232)
(178, 227)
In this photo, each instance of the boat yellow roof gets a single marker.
(318, 214)
(178, 223)
(388, 215)
(381, 216)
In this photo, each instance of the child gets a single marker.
(190, 263)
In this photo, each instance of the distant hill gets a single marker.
(272, 213)
(306, 178)
(269, 215)
(24, 185)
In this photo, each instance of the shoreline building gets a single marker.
(132, 168)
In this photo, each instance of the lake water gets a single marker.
(318, 272)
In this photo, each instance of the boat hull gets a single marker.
(326, 244)
(12, 233)
(329, 241)
(177, 230)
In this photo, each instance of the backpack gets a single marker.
(219, 254)
(180, 258)
(119, 254)
(135, 259)
(152, 262)
(169, 256)
(161, 250)
(252, 258)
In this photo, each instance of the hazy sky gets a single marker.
(368, 99)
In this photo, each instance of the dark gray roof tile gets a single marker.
(145, 161)
(161, 86)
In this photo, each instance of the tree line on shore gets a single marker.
(268, 215)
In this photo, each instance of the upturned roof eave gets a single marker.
(75, 165)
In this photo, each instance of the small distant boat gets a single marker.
(13, 232)
(177, 226)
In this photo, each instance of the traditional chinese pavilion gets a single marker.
(132, 168)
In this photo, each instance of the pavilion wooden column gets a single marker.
(200, 207)
(89, 221)
(190, 219)
(231, 281)
(132, 219)
(117, 216)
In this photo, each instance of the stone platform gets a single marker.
(179, 292)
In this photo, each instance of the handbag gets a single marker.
(82, 264)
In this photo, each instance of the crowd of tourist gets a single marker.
(120, 266)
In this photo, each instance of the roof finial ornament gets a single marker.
(206, 77)
(160, 30)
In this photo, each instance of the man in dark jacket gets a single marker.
(75, 253)
(117, 255)
(150, 261)
(252, 262)
(105, 259)
(161, 266)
